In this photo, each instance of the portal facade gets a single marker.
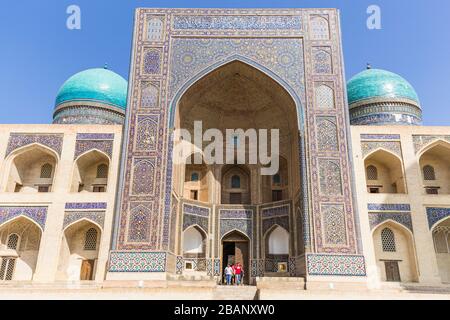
(279, 68)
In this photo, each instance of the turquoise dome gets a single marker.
(376, 83)
(96, 85)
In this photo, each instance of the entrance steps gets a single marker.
(285, 283)
(232, 292)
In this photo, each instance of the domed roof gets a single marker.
(97, 85)
(377, 83)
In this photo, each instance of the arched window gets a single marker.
(102, 171)
(194, 177)
(46, 171)
(277, 179)
(13, 242)
(372, 173)
(90, 241)
(235, 182)
(429, 173)
(388, 240)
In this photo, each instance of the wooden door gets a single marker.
(242, 258)
(392, 271)
(87, 270)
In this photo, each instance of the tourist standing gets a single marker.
(238, 273)
(228, 274)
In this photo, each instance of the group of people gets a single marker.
(234, 274)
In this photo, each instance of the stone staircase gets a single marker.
(235, 293)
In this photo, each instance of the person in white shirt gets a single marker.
(228, 274)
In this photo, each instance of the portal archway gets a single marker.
(236, 249)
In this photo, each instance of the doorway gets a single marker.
(392, 271)
(87, 270)
(235, 249)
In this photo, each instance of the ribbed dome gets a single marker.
(376, 83)
(96, 85)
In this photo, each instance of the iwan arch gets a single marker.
(360, 199)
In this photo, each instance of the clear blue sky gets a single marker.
(38, 53)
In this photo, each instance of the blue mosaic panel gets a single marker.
(275, 211)
(197, 210)
(404, 218)
(236, 214)
(388, 207)
(19, 140)
(336, 265)
(74, 216)
(435, 215)
(244, 22)
(86, 205)
(37, 214)
(131, 261)
(139, 226)
(270, 222)
(380, 137)
(84, 146)
(95, 136)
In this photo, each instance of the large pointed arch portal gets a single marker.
(249, 68)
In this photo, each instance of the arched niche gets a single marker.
(435, 168)
(441, 240)
(79, 252)
(32, 169)
(389, 169)
(19, 249)
(394, 252)
(277, 241)
(91, 172)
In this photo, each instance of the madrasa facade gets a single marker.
(361, 197)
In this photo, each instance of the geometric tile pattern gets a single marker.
(141, 261)
(179, 265)
(84, 146)
(86, 205)
(435, 215)
(334, 224)
(37, 214)
(268, 22)
(327, 139)
(393, 146)
(71, 217)
(18, 140)
(336, 265)
(421, 141)
(330, 177)
(404, 218)
(380, 137)
(388, 207)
